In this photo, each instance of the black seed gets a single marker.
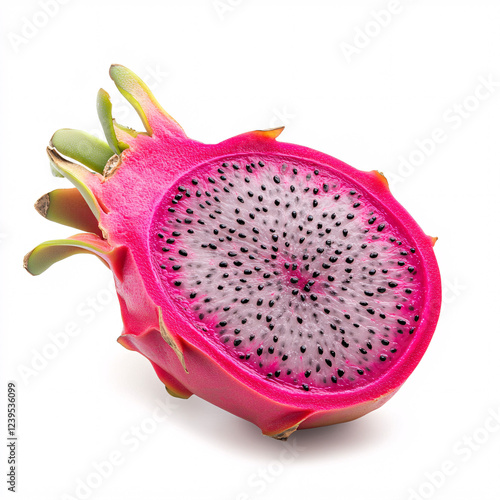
(176, 267)
(344, 343)
(259, 351)
(177, 283)
(303, 349)
(328, 362)
(305, 387)
(270, 350)
(276, 179)
(392, 284)
(340, 372)
(307, 373)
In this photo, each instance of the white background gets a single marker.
(222, 68)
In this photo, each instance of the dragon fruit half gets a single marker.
(270, 279)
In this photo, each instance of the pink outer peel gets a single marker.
(127, 195)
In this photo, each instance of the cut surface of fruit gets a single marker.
(299, 274)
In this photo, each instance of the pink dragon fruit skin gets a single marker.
(120, 199)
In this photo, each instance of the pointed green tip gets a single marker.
(48, 253)
(104, 111)
(78, 175)
(153, 116)
(83, 147)
(135, 91)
